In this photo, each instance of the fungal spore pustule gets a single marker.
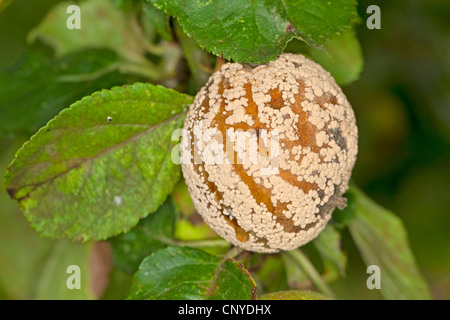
(275, 186)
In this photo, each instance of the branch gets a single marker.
(308, 268)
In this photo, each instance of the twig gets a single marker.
(307, 267)
(193, 244)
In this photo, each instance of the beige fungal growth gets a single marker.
(269, 152)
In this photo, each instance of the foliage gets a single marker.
(107, 99)
(381, 238)
(259, 30)
(187, 273)
(101, 164)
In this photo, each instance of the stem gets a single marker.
(203, 243)
(232, 253)
(150, 47)
(194, 244)
(89, 76)
(143, 69)
(308, 268)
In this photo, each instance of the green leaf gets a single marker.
(131, 248)
(305, 265)
(382, 240)
(316, 21)
(196, 58)
(293, 295)
(4, 4)
(52, 281)
(257, 31)
(93, 262)
(22, 251)
(295, 277)
(342, 58)
(158, 19)
(328, 243)
(99, 166)
(37, 88)
(127, 6)
(103, 25)
(270, 273)
(185, 273)
(32, 267)
(118, 286)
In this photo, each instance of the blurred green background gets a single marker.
(402, 104)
